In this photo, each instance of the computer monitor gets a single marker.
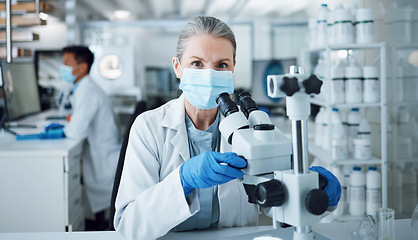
(262, 68)
(20, 89)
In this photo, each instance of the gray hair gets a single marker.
(205, 25)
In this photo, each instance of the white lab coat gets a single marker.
(151, 200)
(93, 119)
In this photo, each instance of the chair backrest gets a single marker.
(140, 108)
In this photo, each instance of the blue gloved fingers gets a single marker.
(53, 126)
(222, 168)
(230, 158)
(333, 187)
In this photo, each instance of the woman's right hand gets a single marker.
(205, 170)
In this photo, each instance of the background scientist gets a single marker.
(92, 119)
(172, 178)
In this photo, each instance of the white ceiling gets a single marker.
(240, 10)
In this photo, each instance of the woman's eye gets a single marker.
(222, 65)
(197, 64)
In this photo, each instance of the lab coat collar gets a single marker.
(175, 119)
(82, 80)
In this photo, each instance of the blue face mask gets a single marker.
(202, 86)
(66, 73)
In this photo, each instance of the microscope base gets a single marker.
(280, 234)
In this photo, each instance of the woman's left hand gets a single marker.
(333, 187)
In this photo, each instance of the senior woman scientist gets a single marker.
(172, 177)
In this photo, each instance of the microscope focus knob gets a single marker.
(290, 86)
(270, 193)
(316, 201)
(312, 84)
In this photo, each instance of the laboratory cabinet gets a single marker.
(40, 185)
(377, 53)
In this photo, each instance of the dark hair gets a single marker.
(82, 54)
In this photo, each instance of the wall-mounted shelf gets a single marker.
(20, 36)
(17, 52)
(27, 7)
(23, 21)
(343, 105)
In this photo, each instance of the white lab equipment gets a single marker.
(337, 84)
(353, 83)
(409, 181)
(364, 25)
(357, 202)
(343, 26)
(370, 84)
(290, 193)
(373, 191)
(321, 31)
(353, 122)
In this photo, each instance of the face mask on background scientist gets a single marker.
(172, 177)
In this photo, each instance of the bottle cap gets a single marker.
(364, 14)
(356, 168)
(370, 72)
(372, 168)
(354, 109)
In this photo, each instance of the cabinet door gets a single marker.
(32, 194)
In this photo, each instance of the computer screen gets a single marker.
(262, 68)
(20, 89)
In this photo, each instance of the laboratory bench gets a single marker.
(40, 181)
(340, 231)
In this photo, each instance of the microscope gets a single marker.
(277, 176)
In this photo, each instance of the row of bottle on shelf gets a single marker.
(351, 134)
(341, 26)
(351, 139)
(349, 83)
(361, 190)
(357, 25)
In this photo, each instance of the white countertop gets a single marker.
(340, 231)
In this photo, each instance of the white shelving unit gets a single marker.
(325, 155)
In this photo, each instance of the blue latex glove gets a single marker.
(49, 134)
(53, 126)
(205, 170)
(333, 187)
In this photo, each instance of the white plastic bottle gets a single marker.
(343, 26)
(339, 139)
(326, 130)
(336, 170)
(353, 122)
(373, 191)
(353, 83)
(321, 32)
(364, 25)
(370, 84)
(395, 190)
(409, 180)
(319, 71)
(337, 84)
(319, 131)
(362, 146)
(357, 192)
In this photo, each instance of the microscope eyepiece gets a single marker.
(247, 103)
(226, 105)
